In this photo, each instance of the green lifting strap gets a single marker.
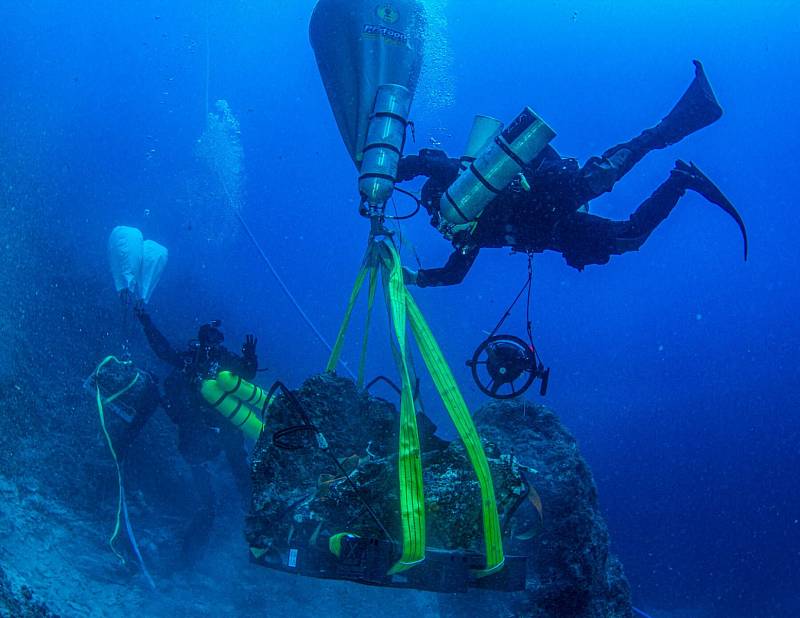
(459, 413)
(100, 401)
(412, 498)
(373, 284)
(403, 310)
(336, 353)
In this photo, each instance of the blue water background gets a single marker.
(677, 367)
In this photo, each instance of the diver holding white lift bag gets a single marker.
(208, 394)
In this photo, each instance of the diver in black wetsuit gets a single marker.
(202, 431)
(546, 208)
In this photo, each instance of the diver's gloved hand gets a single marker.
(249, 347)
(408, 168)
(429, 162)
(410, 276)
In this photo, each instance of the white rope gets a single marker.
(287, 291)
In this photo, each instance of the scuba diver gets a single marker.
(203, 433)
(546, 207)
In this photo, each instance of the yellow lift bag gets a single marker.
(237, 400)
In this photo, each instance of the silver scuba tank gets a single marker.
(484, 130)
(383, 148)
(501, 160)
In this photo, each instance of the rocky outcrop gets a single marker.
(571, 572)
(20, 604)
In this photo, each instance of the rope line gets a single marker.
(288, 292)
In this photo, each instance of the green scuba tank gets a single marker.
(361, 45)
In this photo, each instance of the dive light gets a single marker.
(500, 161)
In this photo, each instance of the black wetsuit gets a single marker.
(550, 216)
(203, 433)
(553, 214)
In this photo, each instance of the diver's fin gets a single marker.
(702, 184)
(697, 108)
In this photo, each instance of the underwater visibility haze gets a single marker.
(205, 130)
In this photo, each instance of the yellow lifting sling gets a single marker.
(382, 256)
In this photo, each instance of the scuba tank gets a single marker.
(237, 400)
(484, 130)
(384, 146)
(500, 161)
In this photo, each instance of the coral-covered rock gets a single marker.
(303, 493)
